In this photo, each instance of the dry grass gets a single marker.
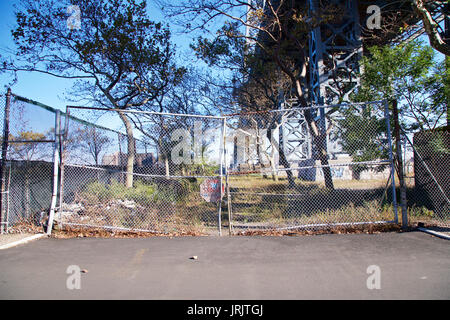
(257, 182)
(257, 203)
(267, 203)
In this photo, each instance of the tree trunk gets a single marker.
(321, 143)
(431, 27)
(259, 153)
(319, 138)
(271, 158)
(285, 163)
(130, 149)
(272, 165)
(166, 163)
(283, 159)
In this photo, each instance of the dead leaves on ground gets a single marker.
(365, 229)
(79, 232)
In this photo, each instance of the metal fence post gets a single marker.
(4, 155)
(227, 181)
(391, 159)
(62, 141)
(222, 153)
(400, 173)
(55, 172)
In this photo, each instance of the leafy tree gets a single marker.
(278, 31)
(186, 97)
(432, 28)
(117, 57)
(362, 135)
(409, 74)
(439, 86)
(29, 150)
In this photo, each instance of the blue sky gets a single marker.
(50, 90)
(45, 88)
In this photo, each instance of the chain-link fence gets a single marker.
(290, 169)
(427, 159)
(146, 175)
(3, 193)
(293, 168)
(27, 164)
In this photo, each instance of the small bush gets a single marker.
(142, 193)
(420, 212)
(96, 192)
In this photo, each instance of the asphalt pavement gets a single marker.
(411, 265)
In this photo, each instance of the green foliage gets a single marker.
(407, 73)
(387, 68)
(363, 136)
(420, 212)
(141, 192)
(410, 74)
(203, 169)
(120, 57)
(438, 144)
(98, 192)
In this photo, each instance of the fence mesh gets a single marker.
(290, 170)
(427, 172)
(169, 173)
(28, 171)
(160, 191)
(3, 194)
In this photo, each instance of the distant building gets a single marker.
(120, 159)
